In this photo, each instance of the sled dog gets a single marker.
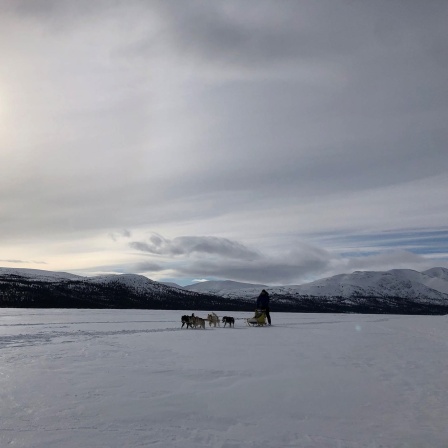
(213, 319)
(228, 320)
(186, 320)
(198, 322)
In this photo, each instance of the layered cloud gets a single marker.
(188, 245)
(226, 259)
(220, 258)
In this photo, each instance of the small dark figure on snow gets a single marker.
(186, 320)
(228, 320)
(263, 304)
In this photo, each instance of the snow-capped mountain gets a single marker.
(396, 291)
(398, 283)
(46, 289)
(441, 273)
(172, 285)
(38, 275)
(138, 283)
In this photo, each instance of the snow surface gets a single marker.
(134, 378)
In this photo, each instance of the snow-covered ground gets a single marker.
(134, 378)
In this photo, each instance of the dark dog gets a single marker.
(228, 320)
(186, 320)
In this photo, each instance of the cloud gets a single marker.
(59, 14)
(222, 258)
(299, 267)
(301, 263)
(198, 245)
(290, 268)
(22, 261)
(141, 267)
(145, 267)
(115, 236)
(391, 259)
(267, 124)
(235, 33)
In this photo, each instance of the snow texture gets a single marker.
(134, 378)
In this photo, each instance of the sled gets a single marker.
(258, 320)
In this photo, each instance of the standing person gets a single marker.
(263, 304)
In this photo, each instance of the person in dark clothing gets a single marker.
(263, 304)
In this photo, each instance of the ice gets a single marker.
(134, 378)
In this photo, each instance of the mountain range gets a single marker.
(401, 291)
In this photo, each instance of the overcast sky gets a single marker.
(261, 141)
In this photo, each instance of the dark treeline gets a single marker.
(21, 293)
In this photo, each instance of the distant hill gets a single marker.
(39, 275)
(400, 291)
(395, 291)
(45, 289)
(404, 283)
(216, 287)
(441, 273)
(172, 285)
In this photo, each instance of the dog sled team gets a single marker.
(213, 319)
(262, 313)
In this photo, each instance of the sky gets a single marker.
(256, 141)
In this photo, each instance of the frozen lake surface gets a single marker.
(134, 378)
